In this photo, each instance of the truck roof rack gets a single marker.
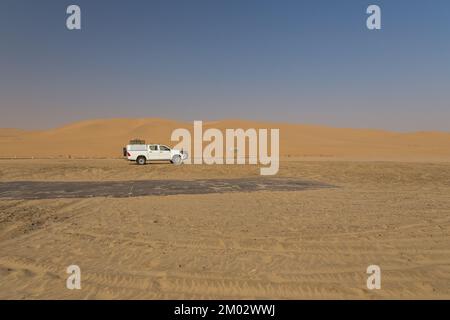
(137, 141)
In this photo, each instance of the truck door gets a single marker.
(164, 153)
(153, 152)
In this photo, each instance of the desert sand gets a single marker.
(387, 205)
(105, 138)
(311, 244)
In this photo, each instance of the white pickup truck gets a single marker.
(143, 153)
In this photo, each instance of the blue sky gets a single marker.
(311, 61)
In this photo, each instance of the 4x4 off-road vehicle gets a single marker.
(143, 153)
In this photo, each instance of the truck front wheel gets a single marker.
(176, 160)
(141, 160)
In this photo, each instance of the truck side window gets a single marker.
(153, 148)
(164, 148)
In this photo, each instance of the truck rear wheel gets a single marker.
(141, 160)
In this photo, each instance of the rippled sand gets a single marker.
(308, 244)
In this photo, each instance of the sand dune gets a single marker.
(309, 244)
(106, 137)
(10, 132)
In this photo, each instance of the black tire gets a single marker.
(141, 160)
(176, 160)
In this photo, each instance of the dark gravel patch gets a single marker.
(122, 189)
